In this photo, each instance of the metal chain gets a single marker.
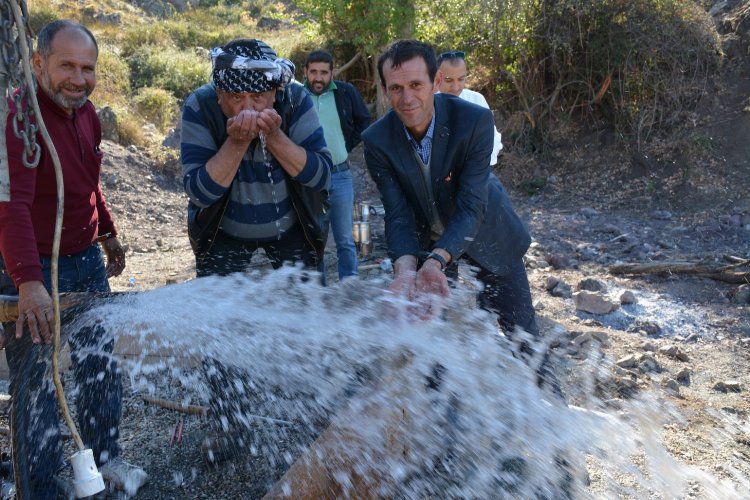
(10, 59)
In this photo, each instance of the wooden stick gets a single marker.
(9, 303)
(719, 273)
(171, 405)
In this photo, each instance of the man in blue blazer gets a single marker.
(430, 158)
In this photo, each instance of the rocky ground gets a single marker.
(682, 339)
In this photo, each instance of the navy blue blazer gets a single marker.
(473, 206)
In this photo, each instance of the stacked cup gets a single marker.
(361, 229)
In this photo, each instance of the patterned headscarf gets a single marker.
(250, 66)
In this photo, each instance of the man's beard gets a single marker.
(63, 101)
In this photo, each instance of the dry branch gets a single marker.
(171, 405)
(728, 274)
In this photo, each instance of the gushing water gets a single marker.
(446, 408)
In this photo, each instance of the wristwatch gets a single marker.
(439, 258)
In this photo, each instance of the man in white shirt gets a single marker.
(451, 79)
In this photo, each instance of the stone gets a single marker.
(558, 261)
(693, 337)
(268, 23)
(593, 302)
(671, 385)
(649, 347)
(172, 140)
(683, 376)
(108, 120)
(629, 361)
(609, 229)
(601, 337)
(727, 386)
(592, 285)
(562, 290)
(647, 327)
(742, 294)
(551, 282)
(674, 352)
(647, 363)
(627, 297)
(661, 214)
(589, 212)
(579, 340)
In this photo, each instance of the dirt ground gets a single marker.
(601, 205)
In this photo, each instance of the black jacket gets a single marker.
(473, 206)
(353, 113)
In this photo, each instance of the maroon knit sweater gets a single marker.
(27, 221)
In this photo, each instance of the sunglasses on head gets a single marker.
(455, 54)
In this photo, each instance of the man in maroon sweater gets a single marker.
(65, 69)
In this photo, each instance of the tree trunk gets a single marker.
(381, 100)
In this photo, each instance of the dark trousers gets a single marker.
(35, 436)
(233, 394)
(507, 296)
(229, 256)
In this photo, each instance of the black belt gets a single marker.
(341, 167)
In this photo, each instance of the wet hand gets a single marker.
(400, 290)
(35, 309)
(269, 122)
(430, 289)
(243, 128)
(115, 257)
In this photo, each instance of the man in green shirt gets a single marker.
(344, 116)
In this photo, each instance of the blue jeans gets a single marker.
(36, 446)
(341, 198)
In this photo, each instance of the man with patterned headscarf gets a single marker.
(255, 163)
(257, 171)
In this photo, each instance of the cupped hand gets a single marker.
(243, 127)
(430, 290)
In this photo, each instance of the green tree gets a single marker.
(369, 25)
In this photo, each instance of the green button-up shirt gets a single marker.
(325, 103)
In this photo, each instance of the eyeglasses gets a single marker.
(455, 54)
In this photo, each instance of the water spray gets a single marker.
(87, 479)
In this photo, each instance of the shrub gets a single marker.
(130, 128)
(41, 12)
(157, 106)
(634, 65)
(142, 35)
(113, 79)
(169, 69)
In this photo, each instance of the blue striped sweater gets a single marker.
(259, 207)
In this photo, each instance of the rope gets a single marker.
(58, 227)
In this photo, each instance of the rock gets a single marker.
(268, 23)
(683, 376)
(627, 297)
(179, 5)
(562, 290)
(558, 261)
(592, 285)
(581, 339)
(649, 347)
(589, 212)
(157, 8)
(693, 337)
(661, 214)
(742, 294)
(609, 229)
(727, 386)
(113, 18)
(647, 363)
(671, 385)
(108, 120)
(629, 361)
(593, 302)
(172, 140)
(601, 337)
(551, 282)
(674, 352)
(647, 327)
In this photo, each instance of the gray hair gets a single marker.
(47, 35)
